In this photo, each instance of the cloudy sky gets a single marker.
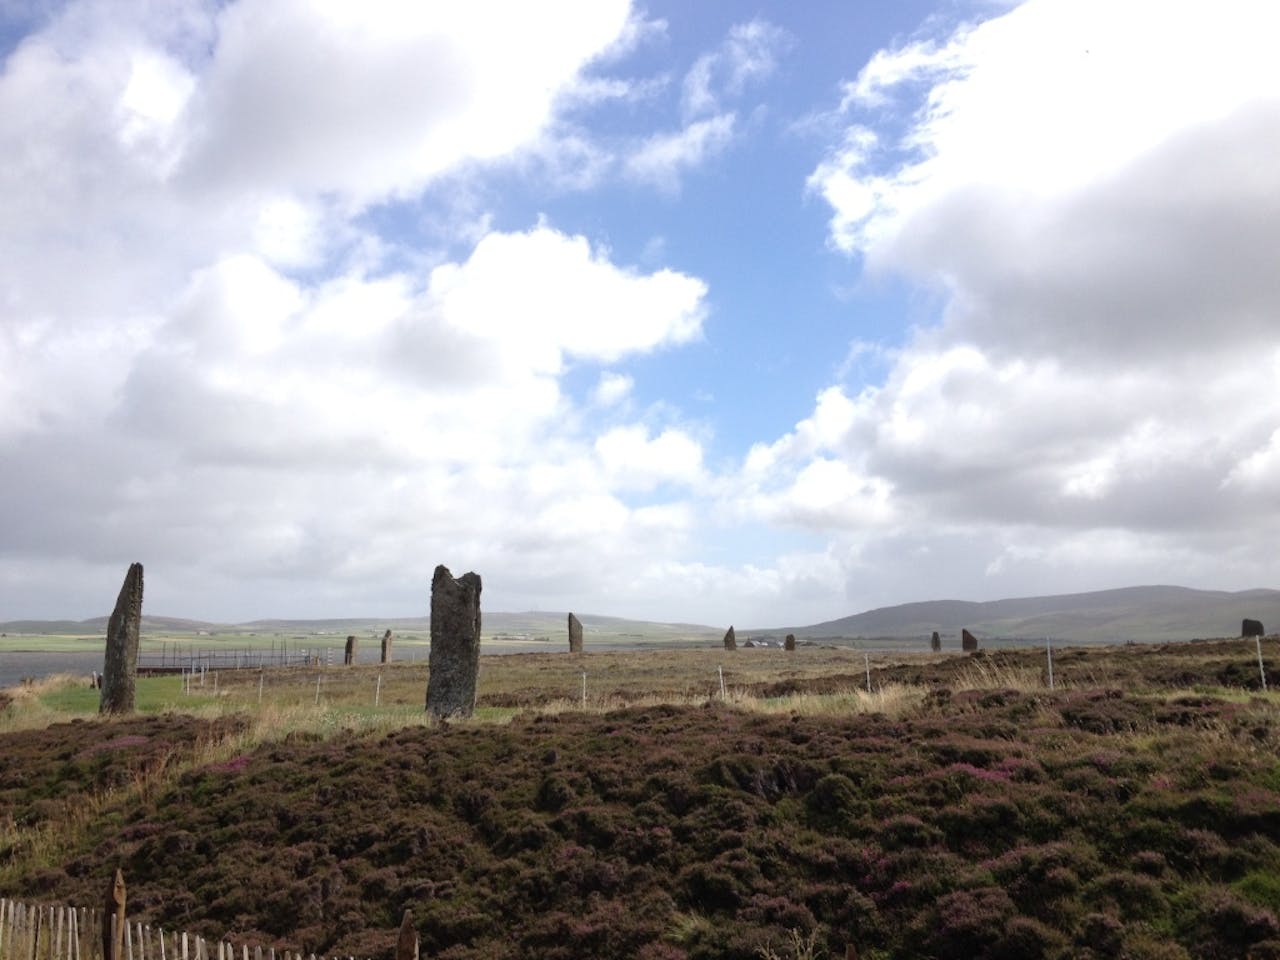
(763, 314)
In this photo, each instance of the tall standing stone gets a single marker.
(1252, 628)
(790, 642)
(968, 642)
(349, 655)
(730, 639)
(120, 665)
(935, 642)
(455, 644)
(386, 646)
(575, 634)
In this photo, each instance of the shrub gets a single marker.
(965, 924)
(1105, 711)
(1218, 924)
(1128, 894)
(832, 798)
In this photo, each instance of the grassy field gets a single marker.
(959, 809)
(536, 631)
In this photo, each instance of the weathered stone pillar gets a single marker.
(113, 910)
(1252, 628)
(790, 642)
(386, 646)
(730, 639)
(349, 655)
(120, 665)
(575, 634)
(455, 644)
(968, 642)
(407, 941)
(935, 642)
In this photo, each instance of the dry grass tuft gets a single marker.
(893, 700)
(990, 675)
(27, 709)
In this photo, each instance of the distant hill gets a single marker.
(1143, 614)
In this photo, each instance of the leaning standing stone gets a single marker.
(120, 665)
(386, 646)
(730, 639)
(455, 644)
(968, 642)
(575, 634)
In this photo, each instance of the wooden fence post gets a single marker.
(113, 922)
(52, 932)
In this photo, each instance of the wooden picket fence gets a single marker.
(42, 932)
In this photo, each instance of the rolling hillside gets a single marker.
(1133, 613)
(1144, 614)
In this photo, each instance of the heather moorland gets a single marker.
(960, 809)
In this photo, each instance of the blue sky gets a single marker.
(757, 314)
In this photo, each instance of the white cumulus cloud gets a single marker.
(1095, 217)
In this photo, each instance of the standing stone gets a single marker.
(575, 634)
(1252, 628)
(386, 646)
(113, 910)
(455, 644)
(935, 642)
(407, 940)
(349, 656)
(120, 666)
(968, 642)
(730, 639)
(790, 642)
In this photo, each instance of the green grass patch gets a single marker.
(29, 643)
(1261, 887)
(153, 695)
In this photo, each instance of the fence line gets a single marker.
(51, 932)
(176, 658)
